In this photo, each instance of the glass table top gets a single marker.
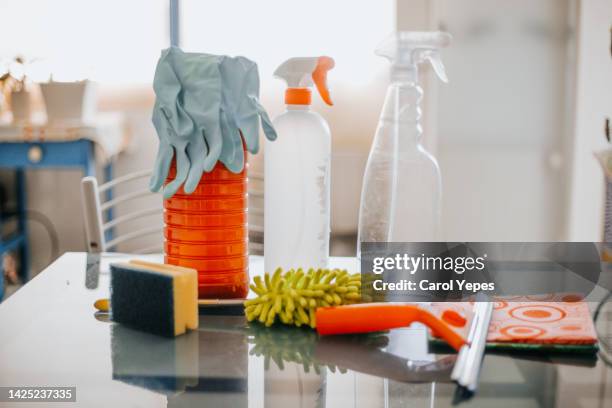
(50, 335)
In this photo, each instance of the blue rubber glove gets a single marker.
(241, 111)
(186, 116)
(206, 105)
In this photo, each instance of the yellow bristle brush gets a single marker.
(294, 296)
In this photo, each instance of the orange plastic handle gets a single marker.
(319, 77)
(373, 317)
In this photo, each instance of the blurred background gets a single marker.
(514, 131)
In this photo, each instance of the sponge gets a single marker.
(156, 298)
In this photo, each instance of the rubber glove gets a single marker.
(241, 111)
(186, 116)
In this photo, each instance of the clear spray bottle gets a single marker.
(401, 193)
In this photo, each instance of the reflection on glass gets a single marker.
(361, 353)
(228, 363)
(153, 362)
(206, 367)
(223, 366)
(210, 366)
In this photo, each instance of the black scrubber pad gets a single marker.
(142, 300)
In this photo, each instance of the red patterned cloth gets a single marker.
(532, 322)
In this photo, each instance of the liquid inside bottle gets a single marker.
(402, 186)
(207, 230)
(297, 216)
(400, 199)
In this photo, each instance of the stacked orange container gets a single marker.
(207, 230)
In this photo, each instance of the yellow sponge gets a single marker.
(157, 298)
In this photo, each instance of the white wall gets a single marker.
(501, 119)
(593, 105)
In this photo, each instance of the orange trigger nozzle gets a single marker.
(319, 77)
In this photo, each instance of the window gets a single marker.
(111, 41)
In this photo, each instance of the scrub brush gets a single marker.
(294, 296)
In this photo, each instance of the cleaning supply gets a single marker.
(186, 117)
(605, 160)
(207, 115)
(373, 317)
(466, 372)
(207, 306)
(400, 197)
(206, 106)
(222, 305)
(207, 230)
(294, 296)
(156, 298)
(241, 111)
(553, 326)
(297, 172)
(102, 305)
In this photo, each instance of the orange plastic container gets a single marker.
(206, 220)
(207, 231)
(187, 249)
(205, 265)
(200, 235)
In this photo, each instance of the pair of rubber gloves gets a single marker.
(206, 106)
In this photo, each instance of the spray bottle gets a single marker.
(297, 172)
(400, 198)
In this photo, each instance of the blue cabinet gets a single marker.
(19, 156)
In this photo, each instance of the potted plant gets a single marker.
(13, 83)
(69, 102)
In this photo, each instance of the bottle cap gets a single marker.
(300, 74)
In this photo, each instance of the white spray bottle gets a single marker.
(297, 172)
(401, 194)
